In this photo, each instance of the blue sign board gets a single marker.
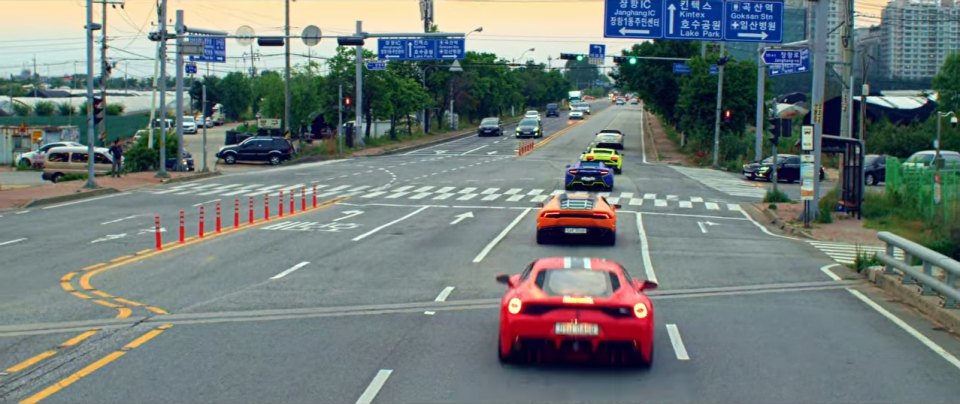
(633, 19)
(754, 21)
(714, 70)
(420, 49)
(376, 65)
(681, 68)
(782, 61)
(706, 20)
(692, 19)
(598, 51)
(214, 49)
(191, 68)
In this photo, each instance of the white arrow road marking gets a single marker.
(109, 237)
(461, 217)
(673, 9)
(492, 152)
(677, 342)
(290, 270)
(348, 214)
(13, 241)
(703, 225)
(439, 151)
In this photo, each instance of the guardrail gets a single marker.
(930, 283)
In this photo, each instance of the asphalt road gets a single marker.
(387, 294)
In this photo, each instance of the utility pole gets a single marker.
(104, 71)
(761, 84)
(286, 70)
(716, 128)
(181, 31)
(820, 11)
(91, 184)
(340, 131)
(426, 14)
(203, 107)
(359, 90)
(162, 170)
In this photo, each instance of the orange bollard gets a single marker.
(293, 199)
(266, 207)
(303, 199)
(280, 202)
(181, 226)
(201, 222)
(314, 196)
(156, 225)
(236, 213)
(251, 210)
(218, 217)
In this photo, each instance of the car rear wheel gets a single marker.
(646, 363)
(871, 180)
(274, 160)
(25, 163)
(610, 239)
(542, 237)
(55, 178)
(509, 358)
(617, 170)
(230, 158)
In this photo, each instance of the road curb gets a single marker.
(910, 295)
(194, 177)
(782, 225)
(69, 197)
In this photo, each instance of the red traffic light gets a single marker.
(346, 101)
(727, 115)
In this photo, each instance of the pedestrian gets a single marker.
(117, 153)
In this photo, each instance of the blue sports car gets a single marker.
(588, 174)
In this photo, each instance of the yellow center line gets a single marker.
(144, 251)
(68, 277)
(66, 286)
(102, 294)
(157, 310)
(123, 312)
(121, 258)
(127, 302)
(78, 339)
(30, 362)
(94, 266)
(106, 303)
(95, 366)
(80, 295)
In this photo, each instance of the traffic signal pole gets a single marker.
(359, 89)
(716, 128)
(162, 54)
(761, 88)
(91, 184)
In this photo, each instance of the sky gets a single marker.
(52, 33)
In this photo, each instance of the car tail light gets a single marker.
(639, 310)
(604, 172)
(551, 214)
(600, 216)
(572, 172)
(589, 158)
(515, 304)
(614, 158)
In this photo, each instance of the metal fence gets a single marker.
(915, 188)
(937, 275)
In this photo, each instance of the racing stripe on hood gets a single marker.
(586, 263)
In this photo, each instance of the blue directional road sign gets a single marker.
(633, 19)
(714, 70)
(681, 68)
(689, 19)
(597, 53)
(191, 68)
(420, 49)
(754, 21)
(787, 61)
(377, 65)
(214, 49)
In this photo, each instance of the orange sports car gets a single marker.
(578, 216)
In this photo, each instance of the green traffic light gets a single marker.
(579, 58)
(633, 60)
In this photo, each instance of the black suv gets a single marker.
(553, 110)
(274, 150)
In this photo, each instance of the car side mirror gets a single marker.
(505, 279)
(643, 285)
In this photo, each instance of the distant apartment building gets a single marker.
(917, 36)
(869, 52)
(834, 38)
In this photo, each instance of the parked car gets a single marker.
(189, 125)
(490, 126)
(36, 158)
(874, 168)
(272, 149)
(788, 169)
(188, 163)
(553, 110)
(73, 160)
(924, 159)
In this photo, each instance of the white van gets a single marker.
(73, 160)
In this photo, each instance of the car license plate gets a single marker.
(576, 329)
(588, 178)
(575, 230)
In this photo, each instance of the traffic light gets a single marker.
(350, 40)
(722, 61)
(99, 109)
(346, 101)
(625, 59)
(270, 41)
(780, 128)
(727, 116)
(572, 56)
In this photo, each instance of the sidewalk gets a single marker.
(842, 229)
(72, 190)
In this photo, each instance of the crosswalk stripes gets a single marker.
(723, 182)
(846, 253)
(438, 193)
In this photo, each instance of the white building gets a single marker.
(918, 36)
(834, 19)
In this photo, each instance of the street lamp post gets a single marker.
(523, 54)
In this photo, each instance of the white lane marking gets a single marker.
(645, 250)
(672, 197)
(444, 294)
(696, 199)
(219, 189)
(445, 190)
(443, 196)
(764, 229)
(649, 196)
(472, 150)
(467, 190)
(513, 191)
(636, 201)
(421, 195)
(423, 189)
(429, 312)
(613, 200)
(373, 194)
(626, 195)
(493, 243)
(906, 327)
(396, 195)
(558, 192)
(84, 201)
(384, 226)
(204, 203)
(290, 270)
(539, 198)
(686, 204)
(660, 203)
(826, 269)
(375, 385)
(13, 241)
(467, 197)
(712, 206)
(403, 188)
(677, 342)
(535, 192)
(733, 207)
(515, 198)
(491, 197)
(489, 191)
(119, 220)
